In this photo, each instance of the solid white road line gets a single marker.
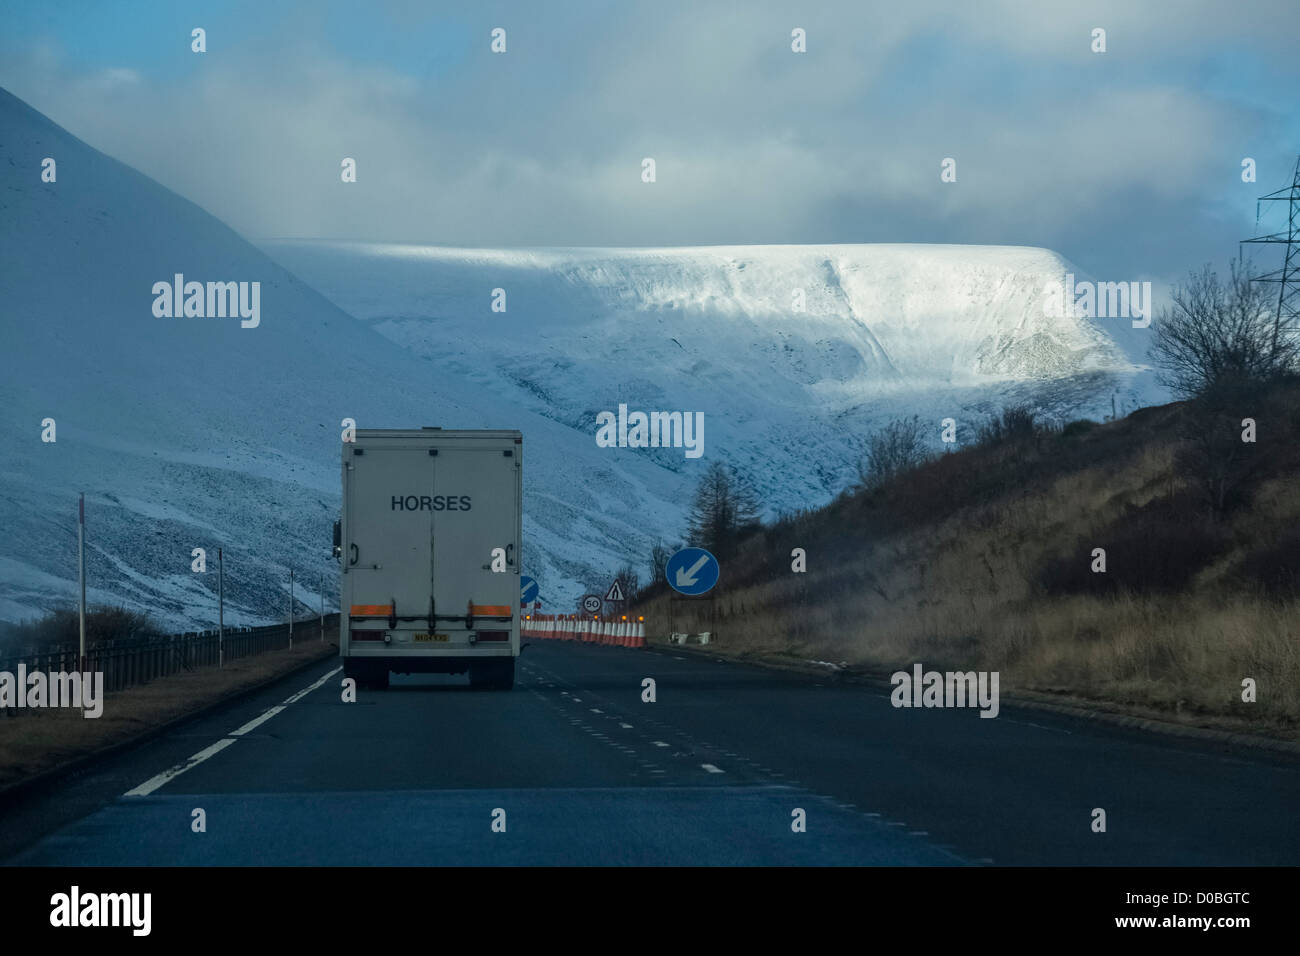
(307, 690)
(154, 782)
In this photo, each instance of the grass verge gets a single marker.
(38, 741)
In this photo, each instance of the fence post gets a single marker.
(221, 608)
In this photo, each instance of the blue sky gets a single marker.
(1126, 162)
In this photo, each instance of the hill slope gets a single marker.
(986, 559)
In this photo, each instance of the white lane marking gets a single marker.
(596, 710)
(625, 726)
(158, 780)
(1030, 723)
(257, 721)
(660, 743)
(711, 769)
(153, 783)
(307, 690)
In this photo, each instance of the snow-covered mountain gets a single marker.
(788, 395)
(197, 432)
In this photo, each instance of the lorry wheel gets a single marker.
(379, 679)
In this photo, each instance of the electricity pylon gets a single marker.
(1288, 276)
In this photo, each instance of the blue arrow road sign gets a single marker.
(692, 571)
(527, 590)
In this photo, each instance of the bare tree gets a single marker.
(629, 582)
(896, 448)
(1221, 334)
(659, 555)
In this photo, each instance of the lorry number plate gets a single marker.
(431, 637)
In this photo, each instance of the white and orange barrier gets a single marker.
(591, 630)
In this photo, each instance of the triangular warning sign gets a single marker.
(615, 593)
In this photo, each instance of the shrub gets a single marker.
(897, 448)
(1013, 423)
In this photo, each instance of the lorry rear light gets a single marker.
(368, 635)
(494, 635)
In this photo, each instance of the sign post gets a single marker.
(81, 577)
(221, 610)
(615, 596)
(693, 572)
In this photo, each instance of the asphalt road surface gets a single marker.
(573, 767)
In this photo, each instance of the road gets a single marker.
(581, 770)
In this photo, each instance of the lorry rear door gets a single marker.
(390, 527)
(476, 494)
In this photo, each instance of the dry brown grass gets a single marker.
(932, 571)
(39, 740)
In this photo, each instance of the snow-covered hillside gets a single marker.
(887, 330)
(196, 432)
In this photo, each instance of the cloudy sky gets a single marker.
(1127, 162)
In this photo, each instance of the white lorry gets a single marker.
(429, 546)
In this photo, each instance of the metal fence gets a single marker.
(126, 662)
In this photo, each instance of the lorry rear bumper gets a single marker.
(497, 672)
(420, 664)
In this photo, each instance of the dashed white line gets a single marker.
(158, 780)
(711, 769)
(659, 743)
